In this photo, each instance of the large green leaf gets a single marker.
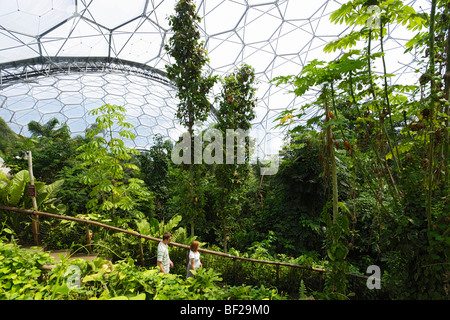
(148, 228)
(48, 192)
(154, 226)
(18, 185)
(143, 227)
(337, 252)
(171, 224)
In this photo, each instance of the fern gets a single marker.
(302, 291)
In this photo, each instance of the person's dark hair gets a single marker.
(166, 235)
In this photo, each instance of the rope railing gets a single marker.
(140, 236)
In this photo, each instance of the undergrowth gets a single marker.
(22, 278)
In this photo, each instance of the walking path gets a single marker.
(64, 252)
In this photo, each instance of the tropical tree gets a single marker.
(105, 159)
(48, 129)
(53, 149)
(392, 135)
(236, 111)
(186, 72)
(193, 85)
(154, 167)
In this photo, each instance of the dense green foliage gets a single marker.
(363, 183)
(104, 160)
(8, 137)
(392, 143)
(22, 278)
(236, 112)
(190, 58)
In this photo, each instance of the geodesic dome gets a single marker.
(63, 58)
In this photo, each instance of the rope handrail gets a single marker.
(139, 235)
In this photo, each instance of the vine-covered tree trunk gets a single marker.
(186, 73)
(432, 112)
(331, 157)
(446, 154)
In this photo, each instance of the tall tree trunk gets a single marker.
(191, 172)
(332, 159)
(395, 156)
(432, 113)
(446, 154)
(225, 240)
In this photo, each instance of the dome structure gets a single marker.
(60, 59)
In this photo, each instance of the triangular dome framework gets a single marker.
(62, 59)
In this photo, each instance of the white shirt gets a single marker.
(163, 256)
(196, 257)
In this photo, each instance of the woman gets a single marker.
(194, 259)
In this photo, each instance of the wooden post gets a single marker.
(277, 275)
(32, 193)
(88, 238)
(320, 281)
(234, 271)
(187, 257)
(141, 250)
